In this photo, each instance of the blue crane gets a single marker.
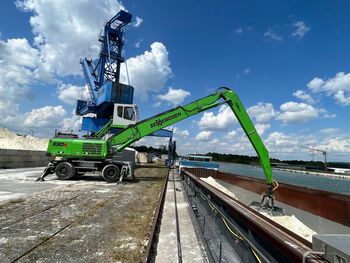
(106, 93)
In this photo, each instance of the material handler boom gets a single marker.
(73, 155)
(143, 128)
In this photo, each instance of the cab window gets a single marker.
(129, 113)
(120, 111)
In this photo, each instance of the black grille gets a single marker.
(92, 148)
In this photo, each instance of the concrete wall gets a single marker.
(22, 158)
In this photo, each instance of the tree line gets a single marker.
(254, 160)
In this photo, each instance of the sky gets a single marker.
(287, 61)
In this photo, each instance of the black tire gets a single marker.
(65, 170)
(111, 173)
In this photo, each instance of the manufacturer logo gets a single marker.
(160, 122)
(60, 144)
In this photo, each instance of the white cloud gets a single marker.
(17, 64)
(72, 123)
(290, 146)
(138, 22)
(182, 133)
(48, 117)
(330, 130)
(341, 98)
(304, 96)
(203, 136)
(63, 31)
(232, 135)
(271, 34)
(339, 87)
(152, 141)
(148, 72)
(262, 127)
(338, 144)
(280, 145)
(174, 96)
(340, 82)
(19, 52)
(232, 142)
(300, 29)
(294, 112)
(327, 115)
(41, 120)
(247, 71)
(279, 142)
(239, 31)
(70, 93)
(223, 120)
(315, 85)
(66, 31)
(72, 27)
(9, 118)
(138, 43)
(262, 112)
(18, 61)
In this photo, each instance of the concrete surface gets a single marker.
(22, 158)
(19, 182)
(192, 249)
(83, 220)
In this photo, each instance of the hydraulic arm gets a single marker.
(83, 155)
(224, 95)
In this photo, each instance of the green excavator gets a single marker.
(73, 155)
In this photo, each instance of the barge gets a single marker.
(266, 241)
(197, 161)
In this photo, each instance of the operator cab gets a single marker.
(125, 114)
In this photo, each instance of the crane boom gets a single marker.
(141, 129)
(74, 155)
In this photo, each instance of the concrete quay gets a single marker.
(22, 158)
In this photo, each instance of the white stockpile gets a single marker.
(210, 180)
(290, 222)
(10, 140)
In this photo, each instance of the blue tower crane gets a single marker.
(102, 76)
(110, 101)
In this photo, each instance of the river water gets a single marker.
(336, 185)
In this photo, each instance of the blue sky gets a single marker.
(287, 61)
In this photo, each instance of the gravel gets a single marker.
(10, 140)
(290, 222)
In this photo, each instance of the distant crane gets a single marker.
(324, 153)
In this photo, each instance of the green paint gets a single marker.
(77, 148)
(132, 133)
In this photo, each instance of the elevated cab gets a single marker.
(125, 114)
